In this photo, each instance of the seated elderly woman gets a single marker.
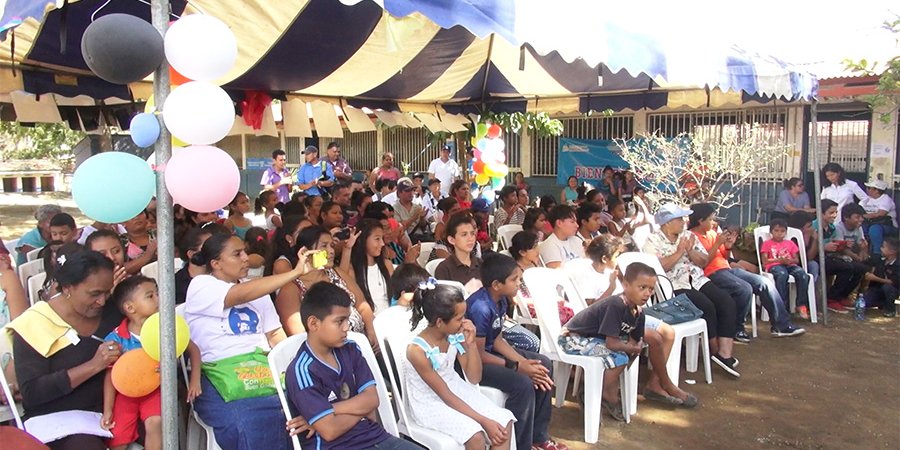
(231, 322)
(675, 247)
(60, 363)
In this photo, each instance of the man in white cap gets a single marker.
(444, 169)
(880, 217)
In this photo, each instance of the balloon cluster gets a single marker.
(490, 160)
(136, 373)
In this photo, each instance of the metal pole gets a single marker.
(817, 180)
(159, 10)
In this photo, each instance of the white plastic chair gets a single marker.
(762, 234)
(432, 265)
(151, 270)
(196, 426)
(280, 359)
(33, 255)
(12, 409)
(30, 269)
(505, 234)
(424, 253)
(542, 283)
(693, 332)
(11, 248)
(35, 283)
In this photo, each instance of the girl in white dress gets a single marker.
(438, 397)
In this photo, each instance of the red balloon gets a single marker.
(175, 78)
(494, 131)
(478, 166)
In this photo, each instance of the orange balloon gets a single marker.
(478, 167)
(175, 78)
(135, 373)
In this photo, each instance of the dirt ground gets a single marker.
(834, 388)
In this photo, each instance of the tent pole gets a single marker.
(817, 177)
(159, 12)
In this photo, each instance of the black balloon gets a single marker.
(121, 48)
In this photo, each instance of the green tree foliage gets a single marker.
(51, 141)
(887, 94)
(537, 124)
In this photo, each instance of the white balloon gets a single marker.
(200, 47)
(199, 113)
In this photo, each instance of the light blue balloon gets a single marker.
(144, 129)
(113, 187)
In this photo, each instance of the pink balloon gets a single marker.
(202, 178)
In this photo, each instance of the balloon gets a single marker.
(501, 158)
(478, 167)
(202, 178)
(488, 194)
(482, 179)
(481, 130)
(150, 107)
(150, 336)
(144, 129)
(200, 47)
(495, 145)
(501, 170)
(177, 79)
(113, 187)
(494, 131)
(482, 144)
(199, 113)
(135, 373)
(121, 48)
(498, 182)
(477, 153)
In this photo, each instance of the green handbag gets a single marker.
(241, 376)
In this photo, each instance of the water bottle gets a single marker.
(859, 310)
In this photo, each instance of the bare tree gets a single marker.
(699, 167)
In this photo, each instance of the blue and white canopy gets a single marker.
(388, 53)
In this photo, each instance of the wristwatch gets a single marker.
(510, 364)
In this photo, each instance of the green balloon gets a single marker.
(481, 130)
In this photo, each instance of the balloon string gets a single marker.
(158, 168)
(98, 9)
(141, 1)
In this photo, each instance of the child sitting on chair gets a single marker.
(884, 281)
(438, 397)
(330, 384)
(613, 329)
(780, 257)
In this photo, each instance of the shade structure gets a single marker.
(459, 55)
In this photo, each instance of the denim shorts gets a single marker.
(574, 344)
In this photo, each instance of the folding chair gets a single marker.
(693, 332)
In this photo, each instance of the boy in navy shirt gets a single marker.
(329, 382)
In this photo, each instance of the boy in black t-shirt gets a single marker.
(884, 281)
(613, 329)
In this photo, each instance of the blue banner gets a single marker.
(586, 158)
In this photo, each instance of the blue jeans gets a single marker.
(813, 268)
(246, 424)
(395, 443)
(782, 272)
(876, 234)
(741, 285)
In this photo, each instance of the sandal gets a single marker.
(613, 409)
(662, 398)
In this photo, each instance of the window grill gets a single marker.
(845, 142)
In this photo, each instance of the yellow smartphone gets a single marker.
(320, 259)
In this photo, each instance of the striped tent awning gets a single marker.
(565, 55)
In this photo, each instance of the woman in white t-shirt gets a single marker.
(880, 217)
(841, 190)
(227, 319)
(367, 264)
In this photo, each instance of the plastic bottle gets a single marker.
(859, 310)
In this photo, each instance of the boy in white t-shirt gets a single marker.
(562, 245)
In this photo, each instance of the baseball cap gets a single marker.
(404, 185)
(311, 149)
(445, 147)
(668, 212)
(481, 205)
(877, 184)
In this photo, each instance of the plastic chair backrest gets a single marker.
(11, 248)
(30, 269)
(151, 270)
(393, 330)
(505, 234)
(33, 255)
(11, 404)
(505, 252)
(424, 253)
(542, 283)
(431, 267)
(762, 234)
(663, 284)
(35, 283)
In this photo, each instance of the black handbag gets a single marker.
(678, 309)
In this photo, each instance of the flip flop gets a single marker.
(690, 402)
(664, 399)
(614, 410)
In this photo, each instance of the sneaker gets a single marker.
(788, 331)
(848, 304)
(836, 307)
(734, 361)
(803, 312)
(549, 445)
(742, 337)
(726, 365)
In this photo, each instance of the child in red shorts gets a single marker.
(138, 299)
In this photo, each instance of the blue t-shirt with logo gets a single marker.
(486, 315)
